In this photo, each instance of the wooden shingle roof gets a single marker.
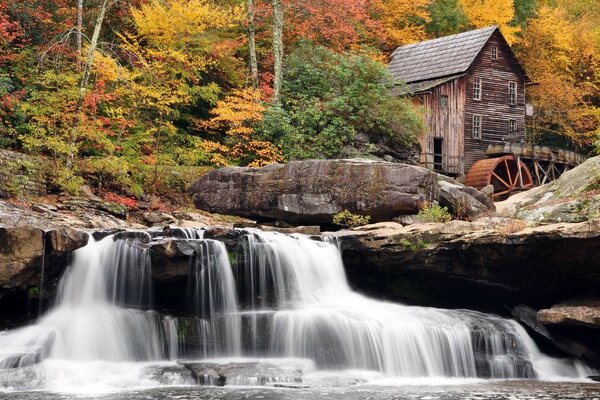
(437, 58)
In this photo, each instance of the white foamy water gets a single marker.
(285, 298)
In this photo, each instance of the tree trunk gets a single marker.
(86, 77)
(277, 50)
(252, 45)
(79, 27)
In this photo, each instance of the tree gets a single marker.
(561, 54)
(482, 13)
(447, 18)
(277, 50)
(404, 21)
(252, 44)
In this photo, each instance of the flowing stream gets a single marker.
(285, 302)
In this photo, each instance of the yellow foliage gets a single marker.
(164, 23)
(482, 13)
(561, 55)
(237, 114)
(403, 20)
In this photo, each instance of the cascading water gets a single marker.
(86, 322)
(316, 315)
(286, 297)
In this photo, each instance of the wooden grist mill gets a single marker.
(472, 88)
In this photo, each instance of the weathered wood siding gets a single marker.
(494, 105)
(446, 123)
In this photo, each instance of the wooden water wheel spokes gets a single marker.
(506, 174)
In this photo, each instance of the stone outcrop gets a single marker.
(312, 191)
(574, 197)
(24, 249)
(577, 312)
(489, 263)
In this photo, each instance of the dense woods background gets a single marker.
(119, 93)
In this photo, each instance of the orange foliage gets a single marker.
(237, 115)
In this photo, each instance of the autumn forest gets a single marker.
(123, 94)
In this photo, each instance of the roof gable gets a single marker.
(445, 56)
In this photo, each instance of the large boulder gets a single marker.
(574, 197)
(312, 191)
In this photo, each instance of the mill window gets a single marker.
(444, 101)
(477, 89)
(494, 52)
(512, 125)
(512, 93)
(476, 126)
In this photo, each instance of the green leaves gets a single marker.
(328, 98)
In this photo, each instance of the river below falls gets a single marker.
(488, 390)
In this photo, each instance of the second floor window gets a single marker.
(477, 89)
(476, 126)
(494, 52)
(444, 101)
(512, 93)
(512, 125)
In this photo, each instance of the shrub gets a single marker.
(349, 220)
(429, 212)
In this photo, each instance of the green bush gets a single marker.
(429, 212)
(347, 219)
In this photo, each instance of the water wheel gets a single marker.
(506, 174)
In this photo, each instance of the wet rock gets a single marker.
(251, 373)
(312, 191)
(101, 234)
(567, 341)
(176, 374)
(305, 230)
(139, 236)
(226, 235)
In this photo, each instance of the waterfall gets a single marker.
(301, 285)
(284, 297)
(89, 320)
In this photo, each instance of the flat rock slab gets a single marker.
(312, 191)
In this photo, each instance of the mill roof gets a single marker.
(439, 58)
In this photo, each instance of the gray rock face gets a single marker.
(312, 191)
(22, 250)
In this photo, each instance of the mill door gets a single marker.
(438, 155)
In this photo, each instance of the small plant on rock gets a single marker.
(429, 212)
(347, 219)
